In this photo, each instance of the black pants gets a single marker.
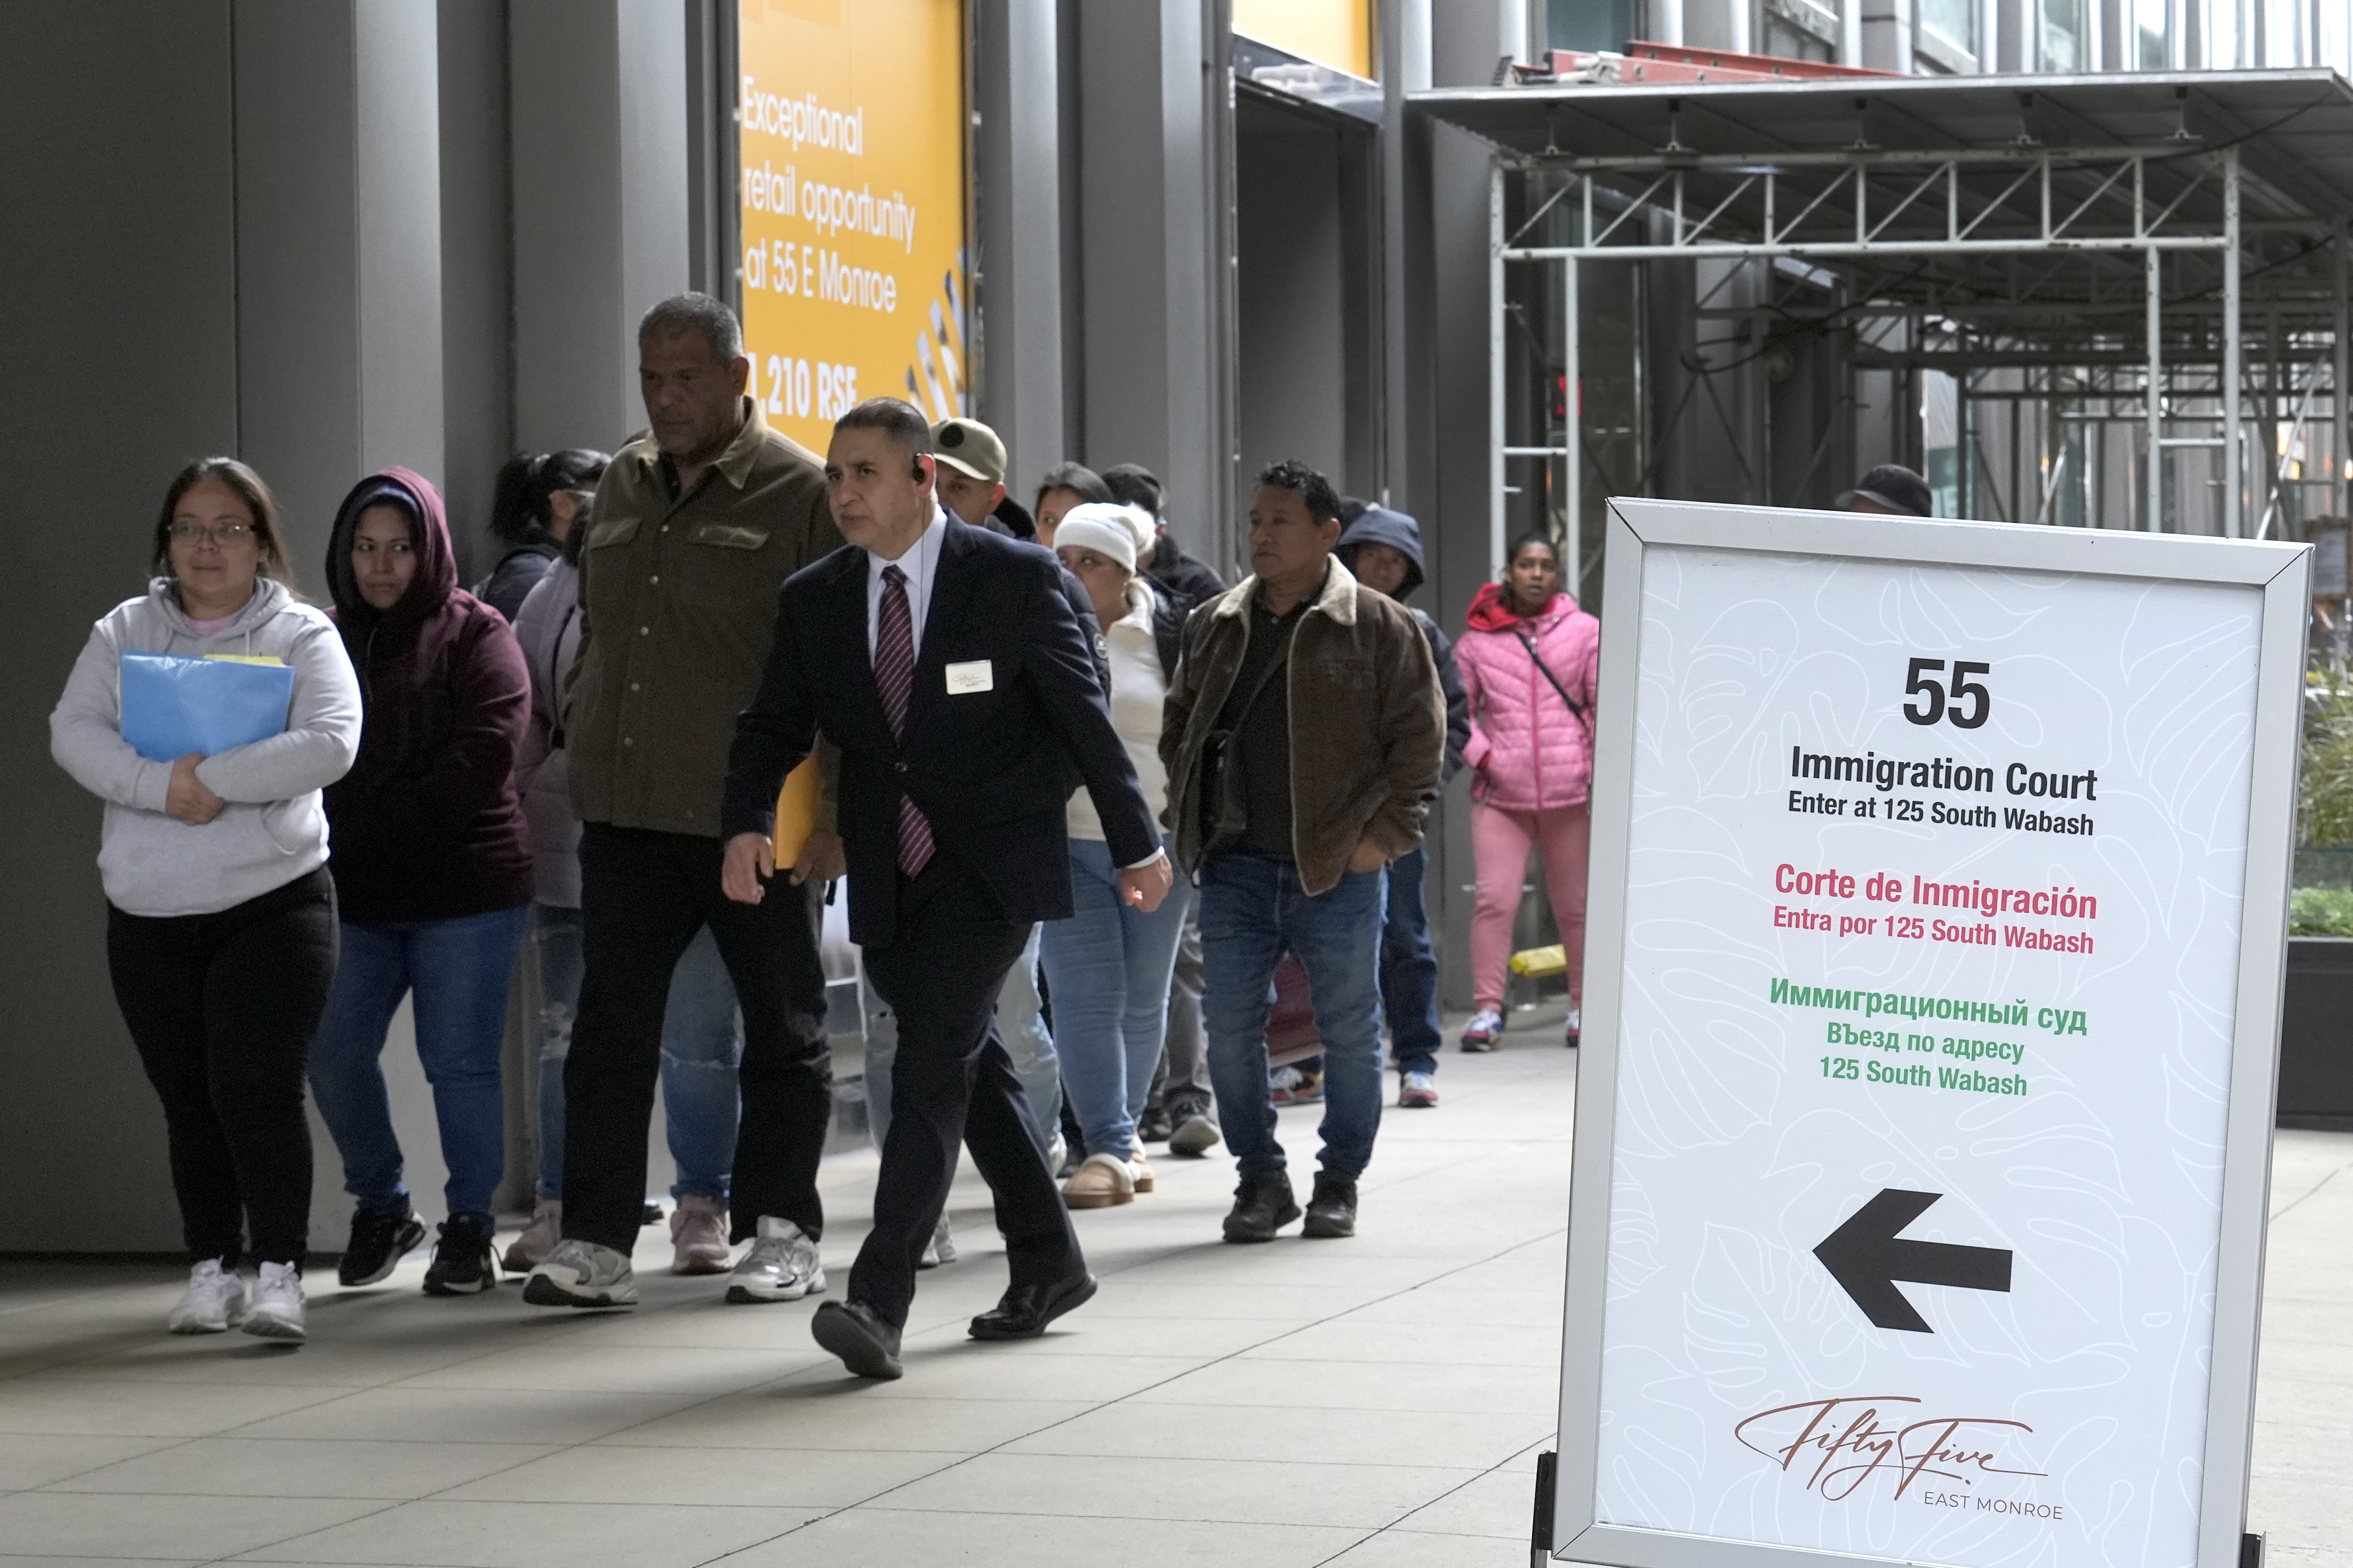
(643, 896)
(952, 1081)
(222, 1007)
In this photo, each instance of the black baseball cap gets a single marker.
(1895, 487)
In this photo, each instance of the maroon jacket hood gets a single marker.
(428, 533)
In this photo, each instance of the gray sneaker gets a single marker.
(582, 1274)
(940, 1248)
(1195, 1136)
(783, 1266)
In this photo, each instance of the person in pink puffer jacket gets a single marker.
(1529, 660)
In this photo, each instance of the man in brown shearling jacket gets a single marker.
(1304, 734)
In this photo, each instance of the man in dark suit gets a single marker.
(944, 662)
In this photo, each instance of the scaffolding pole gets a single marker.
(1495, 372)
(2234, 457)
(2152, 520)
(1572, 418)
(2340, 427)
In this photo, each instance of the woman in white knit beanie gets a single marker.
(1109, 963)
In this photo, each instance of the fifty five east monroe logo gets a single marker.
(1840, 1444)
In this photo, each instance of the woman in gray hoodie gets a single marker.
(220, 929)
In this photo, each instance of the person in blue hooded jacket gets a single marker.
(1383, 549)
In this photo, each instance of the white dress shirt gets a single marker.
(921, 564)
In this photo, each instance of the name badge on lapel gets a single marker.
(973, 676)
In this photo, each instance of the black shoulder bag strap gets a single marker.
(1529, 643)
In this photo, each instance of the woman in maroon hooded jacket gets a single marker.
(432, 874)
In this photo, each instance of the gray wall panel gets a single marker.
(120, 259)
(476, 267)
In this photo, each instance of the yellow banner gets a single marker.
(852, 146)
(1336, 33)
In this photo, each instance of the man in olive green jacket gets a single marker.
(697, 524)
(1303, 734)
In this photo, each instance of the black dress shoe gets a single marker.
(1262, 1205)
(1331, 1211)
(867, 1345)
(1026, 1310)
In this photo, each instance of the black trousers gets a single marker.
(643, 896)
(952, 1081)
(222, 1007)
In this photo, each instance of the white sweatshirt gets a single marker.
(274, 828)
(1137, 695)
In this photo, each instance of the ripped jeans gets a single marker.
(702, 1045)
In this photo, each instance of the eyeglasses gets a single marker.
(222, 534)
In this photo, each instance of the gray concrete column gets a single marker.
(1466, 38)
(339, 249)
(476, 267)
(121, 255)
(1017, 282)
(1152, 336)
(601, 215)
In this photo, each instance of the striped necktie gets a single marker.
(894, 679)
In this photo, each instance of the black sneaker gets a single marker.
(1155, 1125)
(378, 1241)
(461, 1259)
(1262, 1205)
(1332, 1209)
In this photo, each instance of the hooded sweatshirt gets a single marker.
(273, 829)
(427, 823)
(1379, 525)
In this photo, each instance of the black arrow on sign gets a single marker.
(1866, 1256)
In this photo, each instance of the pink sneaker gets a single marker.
(530, 1249)
(698, 1231)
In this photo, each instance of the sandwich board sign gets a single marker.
(1923, 1133)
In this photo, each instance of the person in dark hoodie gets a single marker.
(433, 874)
(1383, 549)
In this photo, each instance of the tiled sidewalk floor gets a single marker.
(1370, 1402)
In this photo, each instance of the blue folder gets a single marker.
(171, 706)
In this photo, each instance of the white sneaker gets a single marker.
(582, 1274)
(277, 1312)
(783, 1266)
(1484, 1031)
(940, 1248)
(1571, 1032)
(1058, 1155)
(213, 1302)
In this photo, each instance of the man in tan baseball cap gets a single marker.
(971, 468)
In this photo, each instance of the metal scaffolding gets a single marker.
(2104, 245)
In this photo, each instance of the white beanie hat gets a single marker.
(1146, 526)
(1101, 527)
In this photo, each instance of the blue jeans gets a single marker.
(1410, 968)
(457, 971)
(1020, 1025)
(701, 1053)
(1108, 965)
(1252, 908)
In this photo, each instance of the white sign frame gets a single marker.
(2282, 572)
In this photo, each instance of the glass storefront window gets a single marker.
(1954, 22)
(2063, 34)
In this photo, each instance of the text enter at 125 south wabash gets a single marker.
(1944, 791)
